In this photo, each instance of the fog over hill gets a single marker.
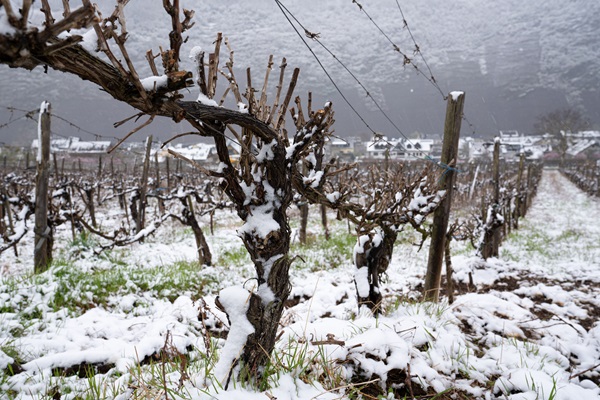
(514, 59)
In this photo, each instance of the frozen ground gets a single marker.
(529, 330)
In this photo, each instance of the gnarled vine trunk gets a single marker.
(372, 256)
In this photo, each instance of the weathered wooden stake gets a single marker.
(10, 222)
(99, 167)
(156, 171)
(324, 221)
(99, 180)
(449, 269)
(518, 199)
(71, 191)
(42, 254)
(454, 113)
(140, 221)
(496, 177)
(168, 174)
(56, 174)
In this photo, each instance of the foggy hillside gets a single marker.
(514, 59)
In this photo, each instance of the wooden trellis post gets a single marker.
(140, 221)
(454, 113)
(42, 255)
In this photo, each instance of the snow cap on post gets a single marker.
(44, 108)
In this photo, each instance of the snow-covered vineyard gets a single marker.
(141, 321)
(264, 268)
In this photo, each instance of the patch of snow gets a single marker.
(243, 108)
(235, 300)
(89, 41)
(203, 99)
(260, 223)
(154, 82)
(333, 197)
(455, 95)
(195, 52)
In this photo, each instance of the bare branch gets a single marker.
(213, 67)
(288, 97)
(278, 94)
(67, 8)
(263, 95)
(150, 57)
(199, 167)
(148, 122)
(47, 13)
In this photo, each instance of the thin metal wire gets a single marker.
(281, 7)
(315, 36)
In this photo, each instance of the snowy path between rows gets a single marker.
(529, 331)
(560, 237)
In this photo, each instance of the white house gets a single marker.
(399, 149)
(74, 145)
(196, 152)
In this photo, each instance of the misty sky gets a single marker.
(515, 60)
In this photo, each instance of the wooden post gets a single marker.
(303, 222)
(529, 187)
(324, 221)
(43, 233)
(140, 221)
(157, 185)
(518, 200)
(10, 222)
(156, 170)
(598, 180)
(99, 180)
(168, 174)
(56, 174)
(99, 167)
(303, 213)
(71, 191)
(454, 113)
(496, 171)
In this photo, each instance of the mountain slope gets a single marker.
(515, 59)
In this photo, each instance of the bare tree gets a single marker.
(259, 184)
(560, 122)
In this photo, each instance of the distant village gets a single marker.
(580, 146)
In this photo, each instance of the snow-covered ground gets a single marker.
(529, 330)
